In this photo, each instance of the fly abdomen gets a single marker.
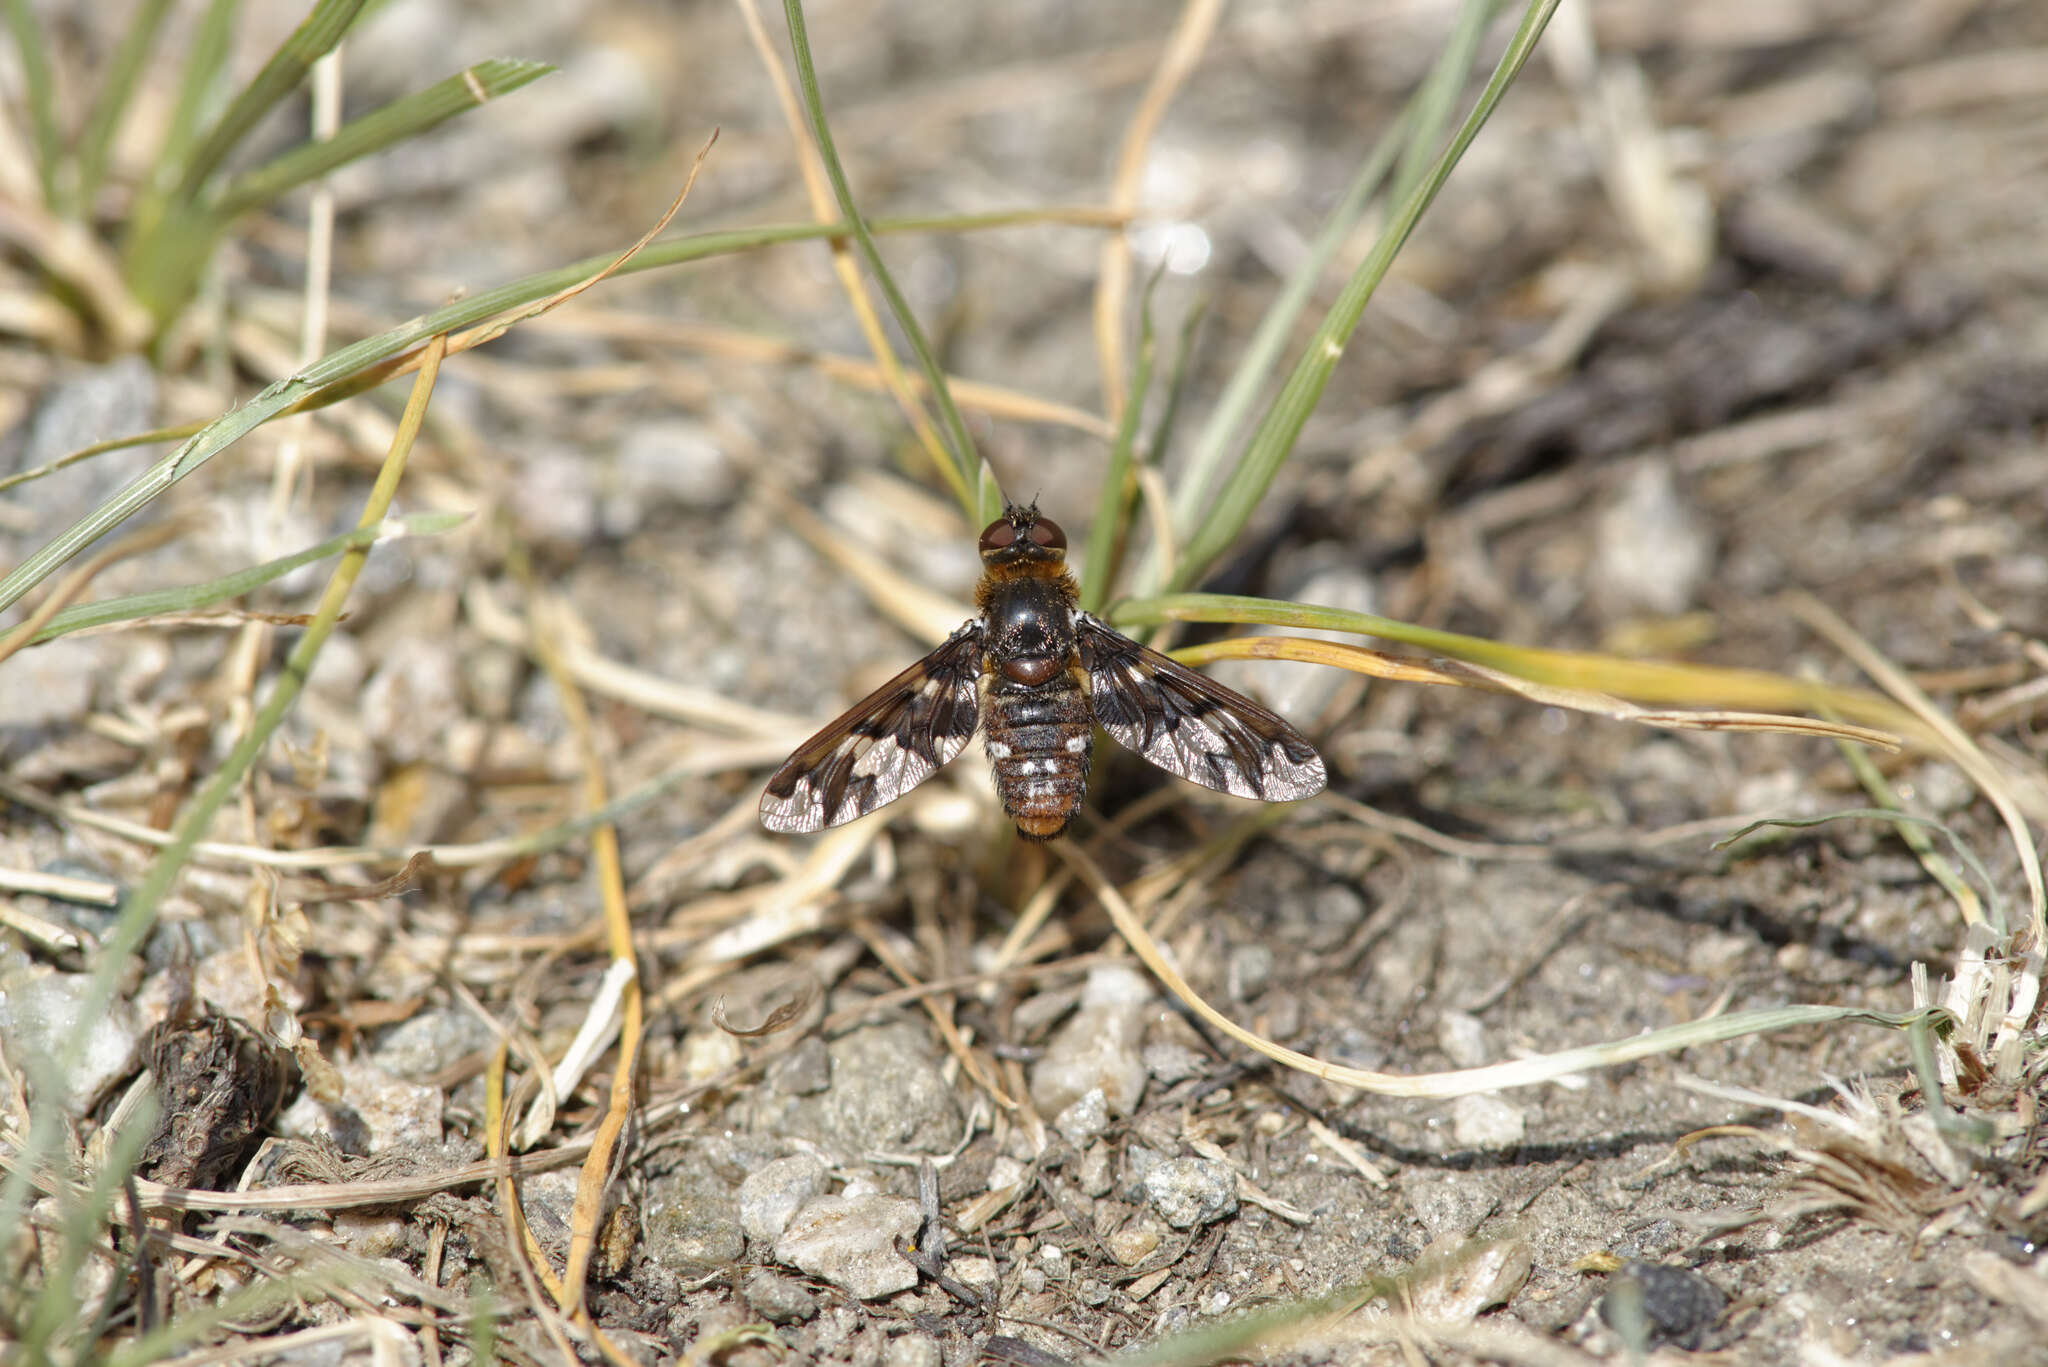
(1038, 738)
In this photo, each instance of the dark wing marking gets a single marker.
(884, 745)
(1188, 724)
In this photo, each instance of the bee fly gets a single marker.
(1041, 673)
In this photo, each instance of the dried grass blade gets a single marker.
(138, 607)
(138, 912)
(1467, 1081)
(893, 381)
(1640, 681)
(1183, 52)
(967, 473)
(1377, 664)
(597, 1165)
(1952, 741)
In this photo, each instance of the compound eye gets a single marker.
(997, 535)
(1047, 533)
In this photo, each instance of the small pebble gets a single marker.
(1250, 969)
(690, 1220)
(413, 701)
(674, 462)
(775, 1191)
(1652, 550)
(1135, 1242)
(889, 1094)
(1467, 1276)
(369, 1235)
(1170, 1061)
(1487, 1122)
(554, 497)
(805, 1070)
(1189, 1192)
(778, 1299)
(1095, 1175)
(1660, 1305)
(42, 1014)
(53, 683)
(1098, 1047)
(376, 1113)
(851, 1243)
(430, 1042)
(1462, 1038)
(911, 1350)
(972, 1270)
(1085, 1119)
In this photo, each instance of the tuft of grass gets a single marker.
(970, 478)
(178, 218)
(1274, 439)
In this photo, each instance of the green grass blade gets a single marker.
(988, 496)
(83, 1217)
(1274, 440)
(204, 63)
(1114, 501)
(34, 57)
(1161, 440)
(1262, 355)
(314, 38)
(111, 103)
(331, 378)
(141, 235)
(406, 117)
(968, 469)
(1438, 96)
(1640, 681)
(1912, 830)
(174, 234)
(197, 597)
(138, 908)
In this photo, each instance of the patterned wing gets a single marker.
(1188, 724)
(886, 744)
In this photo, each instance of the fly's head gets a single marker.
(1020, 537)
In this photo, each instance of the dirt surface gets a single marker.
(1730, 305)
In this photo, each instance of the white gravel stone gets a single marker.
(42, 1014)
(911, 1350)
(851, 1243)
(377, 1112)
(1462, 1038)
(1653, 552)
(1191, 1191)
(1099, 1046)
(1487, 1122)
(1085, 1119)
(771, 1194)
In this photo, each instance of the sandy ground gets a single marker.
(1728, 305)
